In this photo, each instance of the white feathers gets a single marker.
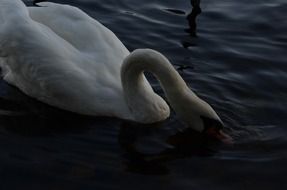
(63, 57)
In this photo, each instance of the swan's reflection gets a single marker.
(148, 148)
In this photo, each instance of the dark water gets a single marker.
(234, 57)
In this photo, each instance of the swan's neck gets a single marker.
(145, 105)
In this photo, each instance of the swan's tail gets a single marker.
(12, 13)
(12, 9)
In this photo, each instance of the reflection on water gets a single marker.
(148, 149)
(191, 17)
(237, 64)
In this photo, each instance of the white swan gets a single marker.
(61, 56)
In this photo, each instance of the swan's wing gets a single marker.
(12, 8)
(10, 11)
(47, 67)
(36, 60)
(79, 29)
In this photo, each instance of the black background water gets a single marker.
(236, 62)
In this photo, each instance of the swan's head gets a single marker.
(200, 116)
(214, 128)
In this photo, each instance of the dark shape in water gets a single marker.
(191, 17)
(183, 144)
(188, 42)
(181, 67)
(38, 1)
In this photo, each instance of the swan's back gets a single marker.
(74, 65)
(78, 28)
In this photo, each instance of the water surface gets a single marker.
(235, 59)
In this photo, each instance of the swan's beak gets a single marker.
(219, 135)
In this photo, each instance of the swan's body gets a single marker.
(64, 58)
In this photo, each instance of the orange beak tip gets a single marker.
(225, 138)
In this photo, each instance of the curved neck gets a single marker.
(145, 105)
